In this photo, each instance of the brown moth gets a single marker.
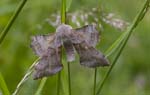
(48, 48)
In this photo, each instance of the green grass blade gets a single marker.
(58, 83)
(40, 88)
(63, 20)
(3, 86)
(129, 32)
(94, 87)
(63, 11)
(69, 78)
(11, 21)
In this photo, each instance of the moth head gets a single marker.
(63, 32)
(63, 28)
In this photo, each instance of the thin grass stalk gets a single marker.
(63, 12)
(136, 21)
(95, 77)
(58, 83)
(40, 88)
(24, 79)
(3, 86)
(11, 21)
(69, 78)
(63, 20)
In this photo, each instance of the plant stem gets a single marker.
(26, 76)
(63, 12)
(136, 21)
(94, 87)
(11, 21)
(58, 82)
(63, 20)
(42, 83)
(3, 86)
(69, 78)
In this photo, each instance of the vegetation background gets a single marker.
(131, 75)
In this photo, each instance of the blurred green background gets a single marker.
(130, 76)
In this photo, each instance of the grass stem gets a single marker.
(69, 78)
(95, 76)
(11, 21)
(42, 83)
(58, 83)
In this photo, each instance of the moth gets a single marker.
(82, 40)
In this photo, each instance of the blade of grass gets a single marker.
(26, 76)
(63, 12)
(136, 21)
(40, 88)
(3, 86)
(58, 82)
(69, 78)
(94, 87)
(63, 20)
(11, 21)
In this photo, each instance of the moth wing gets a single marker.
(89, 34)
(41, 43)
(48, 65)
(89, 56)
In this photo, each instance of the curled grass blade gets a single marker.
(11, 21)
(129, 31)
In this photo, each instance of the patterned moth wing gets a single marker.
(48, 65)
(63, 33)
(84, 40)
(49, 62)
(89, 56)
(40, 44)
(89, 34)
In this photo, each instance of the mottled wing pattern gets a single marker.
(89, 56)
(89, 34)
(49, 63)
(41, 43)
